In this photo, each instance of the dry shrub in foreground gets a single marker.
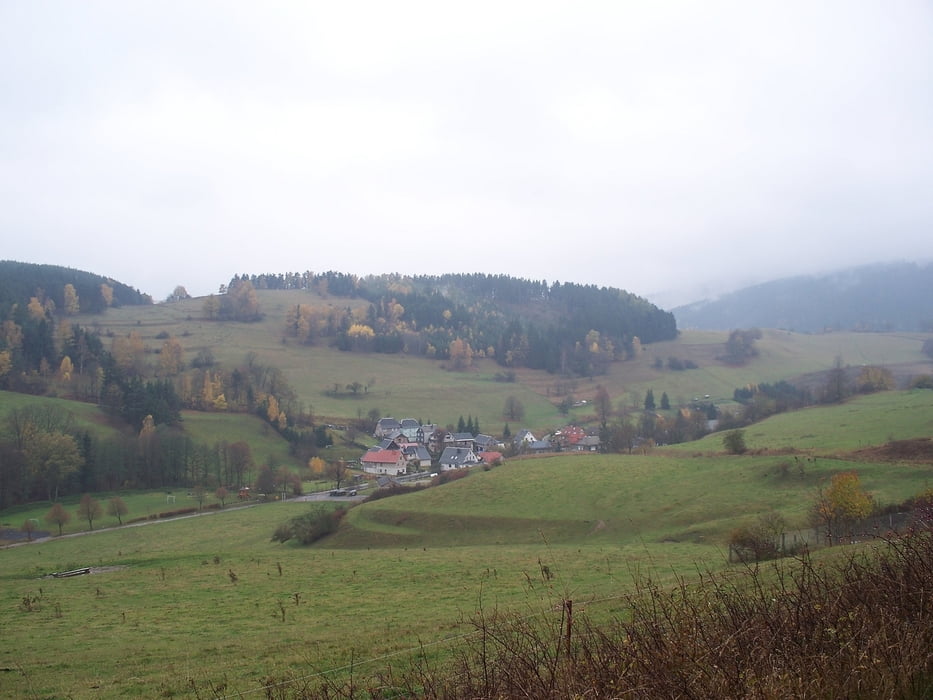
(859, 626)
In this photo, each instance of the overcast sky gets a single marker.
(672, 149)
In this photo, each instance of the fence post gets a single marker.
(568, 604)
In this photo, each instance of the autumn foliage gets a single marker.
(842, 504)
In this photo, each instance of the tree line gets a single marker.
(20, 281)
(44, 456)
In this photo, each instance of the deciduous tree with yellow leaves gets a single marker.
(842, 504)
(461, 354)
(72, 304)
(171, 358)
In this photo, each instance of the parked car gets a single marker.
(343, 492)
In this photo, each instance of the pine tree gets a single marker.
(649, 400)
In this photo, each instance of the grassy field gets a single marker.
(416, 387)
(84, 415)
(208, 604)
(266, 445)
(825, 429)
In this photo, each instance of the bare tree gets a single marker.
(57, 515)
(837, 384)
(117, 507)
(514, 410)
(199, 493)
(89, 509)
(338, 471)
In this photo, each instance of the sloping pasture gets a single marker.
(405, 386)
(861, 421)
(209, 603)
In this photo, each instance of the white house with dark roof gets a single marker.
(523, 438)
(457, 458)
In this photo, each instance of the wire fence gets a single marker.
(841, 532)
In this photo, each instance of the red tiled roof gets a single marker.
(381, 456)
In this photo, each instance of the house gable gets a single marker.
(457, 458)
(378, 461)
(386, 426)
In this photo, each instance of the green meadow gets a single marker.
(209, 606)
(266, 445)
(862, 421)
(85, 416)
(416, 387)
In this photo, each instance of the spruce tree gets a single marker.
(649, 400)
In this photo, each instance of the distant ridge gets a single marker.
(880, 297)
(19, 281)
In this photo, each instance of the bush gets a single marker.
(310, 527)
(450, 475)
(858, 626)
(753, 543)
(390, 491)
(176, 512)
(924, 381)
(734, 442)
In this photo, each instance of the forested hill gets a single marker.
(881, 297)
(20, 282)
(558, 327)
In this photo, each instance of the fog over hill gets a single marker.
(880, 297)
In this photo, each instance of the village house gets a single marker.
(522, 439)
(384, 461)
(460, 440)
(409, 427)
(386, 427)
(425, 433)
(457, 458)
(417, 455)
(588, 443)
(490, 457)
(485, 442)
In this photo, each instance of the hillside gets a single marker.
(220, 606)
(883, 297)
(570, 328)
(403, 385)
(151, 371)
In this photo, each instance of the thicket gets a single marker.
(860, 625)
(309, 527)
(758, 401)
